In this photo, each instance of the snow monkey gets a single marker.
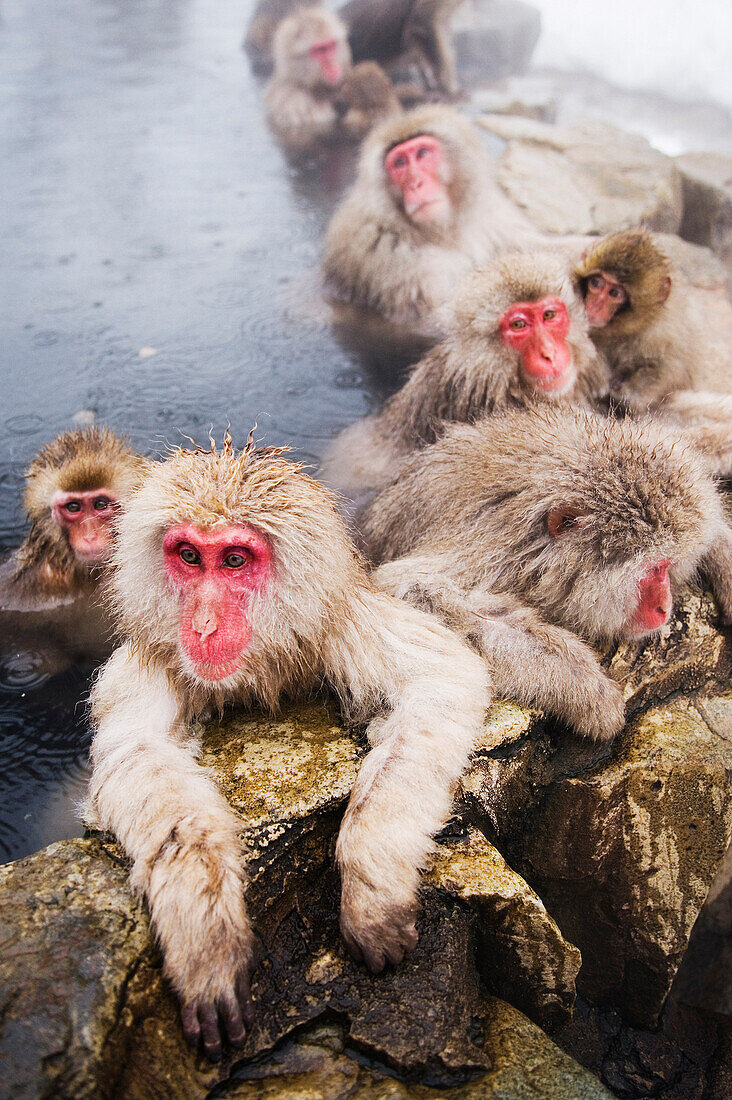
(517, 333)
(265, 20)
(423, 212)
(74, 487)
(366, 95)
(235, 582)
(410, 30)
(536, 532)
(651, 324)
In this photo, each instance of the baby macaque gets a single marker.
(535, 532)
(422, 213)
(405, 31)
(266, 18)
(312, 58)
(235, 582)
(517, 334)
(74, 487)
(366, 96)
(651, 324)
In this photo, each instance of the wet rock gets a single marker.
(707, 191)
(588, 178)
(494, 39)
(621, 842)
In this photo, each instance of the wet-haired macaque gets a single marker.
(405, 31)
(423, 212)
(658, 332)
(366, 96)
(235, 582)
(266, 18)
(74, 487)
(536, 532)
(517, 334)
(311, 59)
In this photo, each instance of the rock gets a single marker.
(707, 191)
(111, 1027)
(493, 39)
(586, 179)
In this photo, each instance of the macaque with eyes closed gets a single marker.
(408, 31)
(235, 582)
(422, 214)
(517, 334)
(539, 533)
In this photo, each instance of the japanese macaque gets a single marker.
(410, 31)
(536, 532)
(266, 18)
(422, 213)
(366, 96)
(517, 334)
(74, 487)
(235, 582)
(651, 324)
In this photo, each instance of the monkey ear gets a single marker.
(562, 519)
(665, 289)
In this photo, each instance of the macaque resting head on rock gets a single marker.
(516, 333)
(235, 582)
(423, 212)
(534, 532)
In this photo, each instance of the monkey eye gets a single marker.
(189, 555)
(400, 161)
(101, 504)
(549, 314)
(72, 506)
(596, 282)
(518, 323)
(236, 560)
(423, 151)
(617, 292)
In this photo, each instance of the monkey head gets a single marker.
(428, 162)
(624, 280)
(74, 487)
(623, 511)
(311, 49)
(224, 570)
(522, 310)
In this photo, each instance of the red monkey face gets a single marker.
(324, 53)
(418, 169)
(85, 517)
(215, 573)
(538, 332)
(604, 296)
(654, 599)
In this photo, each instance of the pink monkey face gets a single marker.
(324, 53)
(604, 296)
(418, 169)
(86, 518)
(215, 574)
(654, 599)
(538, 332)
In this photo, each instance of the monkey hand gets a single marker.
(377, 929)
(228, 1014)
(598, 708)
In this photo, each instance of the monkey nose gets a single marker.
(204, 624)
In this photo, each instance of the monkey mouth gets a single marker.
(212, 672)
(555, 384)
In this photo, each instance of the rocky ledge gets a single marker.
(557, 847)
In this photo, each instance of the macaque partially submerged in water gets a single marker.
(539, 533)
(423, 213)
(516, 334)
(235, 582)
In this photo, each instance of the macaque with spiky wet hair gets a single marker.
(539, 533)
(235, 582)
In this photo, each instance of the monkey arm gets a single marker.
(531, 661)
(182, 837)
(717, 564)
(706, 419)
(434, 693)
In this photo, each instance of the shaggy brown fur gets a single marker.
(365, 97)
(470, 373)
(317, 619)
(266, 18)
(464, 530)
(376, 257)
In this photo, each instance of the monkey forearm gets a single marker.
(718, 566)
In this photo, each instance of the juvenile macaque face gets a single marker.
(215, 574)
(326, 55)
(85, 517)
(604, 296)
(538, 332)
(419, 170)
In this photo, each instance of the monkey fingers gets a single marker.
(231, 1014)
(379, 943)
